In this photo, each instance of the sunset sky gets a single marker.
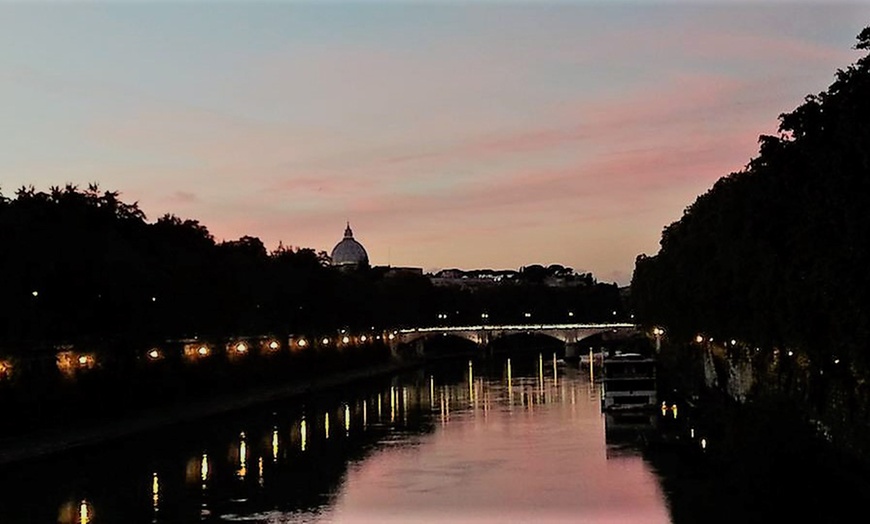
(468, 134)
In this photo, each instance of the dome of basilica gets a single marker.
(349, 252)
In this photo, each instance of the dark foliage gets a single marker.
(778, 253)
(82, 266)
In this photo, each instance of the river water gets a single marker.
(519, 439)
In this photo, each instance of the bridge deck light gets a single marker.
(345, 339)
(302, 343)
(391, 336)
(325, 340)
(699, 339)
(203, 350)
(241, 347)
(273, 345)
(154, 354)
(363, 338)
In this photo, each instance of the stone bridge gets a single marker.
(484, 335)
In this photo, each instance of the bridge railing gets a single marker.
(517, 327)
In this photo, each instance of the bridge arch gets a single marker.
(484, 335)
(517, 342)
(438, 344)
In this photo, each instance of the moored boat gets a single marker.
(629, 382)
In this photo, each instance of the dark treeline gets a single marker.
(778, 254)
(81, 265)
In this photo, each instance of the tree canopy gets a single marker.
(82, 265)
(778, 253)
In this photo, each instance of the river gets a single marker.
(519, 439)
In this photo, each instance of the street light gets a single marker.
(658, 332)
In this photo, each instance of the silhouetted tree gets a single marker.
(777, 253)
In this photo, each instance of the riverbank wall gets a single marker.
(831, 397)
(61, 413)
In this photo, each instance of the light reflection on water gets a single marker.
(498, 440)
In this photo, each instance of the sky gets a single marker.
(473, 134)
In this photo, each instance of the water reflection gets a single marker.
(456, 441)
(84, 513)
(155, 492)
(203, 470)
(275, 439)
(243, 457)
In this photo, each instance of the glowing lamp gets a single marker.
(273, 345)
(241, 347)
(154, 354)
(345, 339)
(202, 350)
